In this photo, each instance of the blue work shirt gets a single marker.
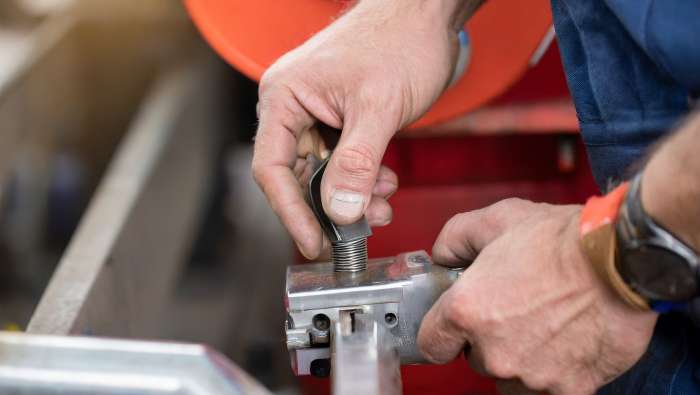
(632, 67)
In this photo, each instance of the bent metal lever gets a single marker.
(348, 242)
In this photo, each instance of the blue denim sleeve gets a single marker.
(668, 31)
(624, 100)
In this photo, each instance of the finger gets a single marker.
(441, 338)
(475, 358)
(299, 167)
(281, 119)
(513, 387)
(287, 202)
(325, 254)
(353, 168)
(385, 187)
(305, 175)
(466, 234)
(311, 142)
(378, 212)
(387, 183)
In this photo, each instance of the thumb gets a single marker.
(466, 234)
(352, 171)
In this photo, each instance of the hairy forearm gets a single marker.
(671, 183)
(450, 13)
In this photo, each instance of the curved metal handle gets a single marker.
(336, 233)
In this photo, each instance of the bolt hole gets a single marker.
(320, 368)
(321, 322)
(390, 319)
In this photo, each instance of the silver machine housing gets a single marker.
(394, 292)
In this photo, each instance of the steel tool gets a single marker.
(357, 319)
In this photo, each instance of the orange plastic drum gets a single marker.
(252, 34)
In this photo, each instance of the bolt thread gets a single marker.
(349, 256)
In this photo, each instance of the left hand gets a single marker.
(530, 305)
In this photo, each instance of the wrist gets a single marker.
(450, 14)
(672, 203)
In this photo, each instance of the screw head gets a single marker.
(320, 367)
(391, 319)
(321, 322)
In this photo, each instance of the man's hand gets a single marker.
(530, 306)
(370, 73)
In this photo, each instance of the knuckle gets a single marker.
(510, 204)
(434, 357)
(457, 311)
(358, 162)
(258, 173)
(455, 223)
(573, 386)
(266, 82)
(426, 348)
(452, 223)
(503, 211)
(262, 177)
(498, 365)
(537, 380)
(445, 235)
(456, 230)
(274, 99)
(441, 246)
(269, 79)
(440, 249)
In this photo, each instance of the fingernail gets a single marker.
(303, 251)
(325, 154)
(347, 204)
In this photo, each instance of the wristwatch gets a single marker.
(651, 260)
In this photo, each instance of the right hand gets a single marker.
(370, 73)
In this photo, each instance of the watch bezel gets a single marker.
(630, 268)
(635, 231)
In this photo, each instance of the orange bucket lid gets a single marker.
(504, 34)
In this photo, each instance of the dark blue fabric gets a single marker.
(668, 31)
(669, 366)
(631, 66)
(624, 100)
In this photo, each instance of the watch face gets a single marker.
(658, 273)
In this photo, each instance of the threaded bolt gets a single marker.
(349, 256)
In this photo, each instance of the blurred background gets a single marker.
(75, 78)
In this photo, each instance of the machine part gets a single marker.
(321, 367)
(348, 242)
(364, 357)
(349, 256)
(393, 292)
(110, 282)
(53, 365)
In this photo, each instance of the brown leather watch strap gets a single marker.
(597, 232)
